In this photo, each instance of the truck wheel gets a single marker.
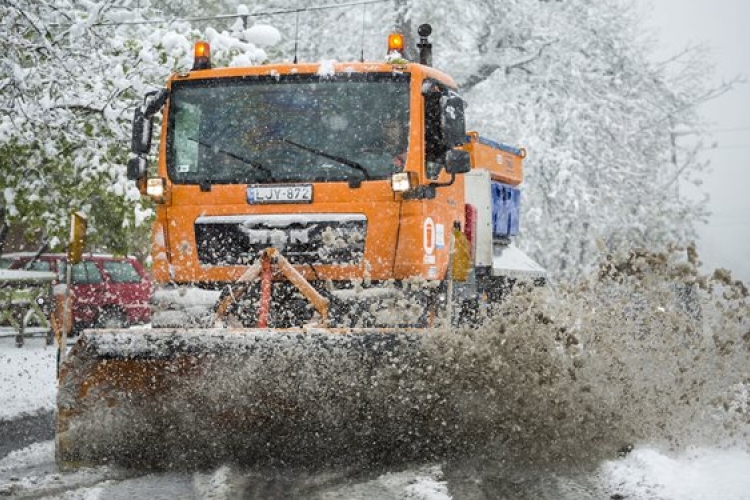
(111, 318)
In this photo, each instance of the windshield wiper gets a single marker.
(244, 160)
(340, 159)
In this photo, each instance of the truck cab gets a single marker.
(351, 170)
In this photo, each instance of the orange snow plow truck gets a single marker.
(315, 223)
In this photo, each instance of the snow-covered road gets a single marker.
(27, 376)
(648, 472)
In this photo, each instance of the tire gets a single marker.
(111, 318)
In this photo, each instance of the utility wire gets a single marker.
(732, 129)
(227, 16)
(734, 146)
(713, 130)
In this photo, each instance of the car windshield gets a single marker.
(267, 130)
(121, 271)
(84, 273)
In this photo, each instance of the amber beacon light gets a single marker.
(202, 55)
(396, 43)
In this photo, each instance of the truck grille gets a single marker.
(302, 238)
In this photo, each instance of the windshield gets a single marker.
(266, 130)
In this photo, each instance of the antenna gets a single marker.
(296, 33)
(362, 42)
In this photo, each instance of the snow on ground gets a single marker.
(696, 474)
(27, 377)
(31, 456)
(424, 483)
(645, 474)
(32, 473)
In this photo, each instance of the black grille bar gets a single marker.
(304, 239)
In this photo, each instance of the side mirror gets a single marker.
(156, 103)
(457, 161)
(137, 168)
(452, 120)
(143, 129)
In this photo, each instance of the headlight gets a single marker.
(155, 188)
(403, 181)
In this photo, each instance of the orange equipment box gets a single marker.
(505, 163)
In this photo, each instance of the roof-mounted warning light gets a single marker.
(202, 55)
(396, 43)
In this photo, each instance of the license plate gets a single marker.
(280, 194)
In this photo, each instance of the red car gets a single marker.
(109, 292)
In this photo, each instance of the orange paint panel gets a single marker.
(312, 68)
(424, 236)
(160, 254)
(374, 200)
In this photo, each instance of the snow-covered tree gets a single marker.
(573, 81)
(72, 72)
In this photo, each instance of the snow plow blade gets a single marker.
(155, 398)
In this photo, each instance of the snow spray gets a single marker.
(645, 350)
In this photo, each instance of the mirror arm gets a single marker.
(151, 107)
(427, 192)
(444, 184)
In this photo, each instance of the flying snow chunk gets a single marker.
(241, 60)
(395, 57)
(327, 68)
(263, 35)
